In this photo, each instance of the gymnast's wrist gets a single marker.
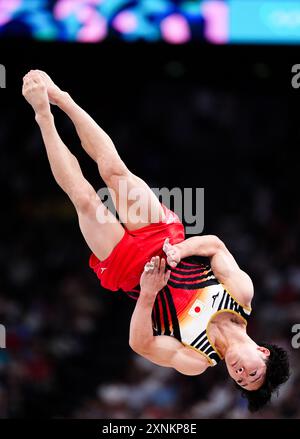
(147, 296)
(180, 249)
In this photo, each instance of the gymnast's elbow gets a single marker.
(216, 243)
(137, 346)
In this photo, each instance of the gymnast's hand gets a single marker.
(154, 277)
(172, 253)
(35, 92)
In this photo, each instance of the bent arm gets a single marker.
(156, 349)
(222, 263)
(153, 279)
(161, 350)
(141, 338)
(206, 245)
(141, 331)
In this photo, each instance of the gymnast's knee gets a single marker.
(84, 201)
(113, 173)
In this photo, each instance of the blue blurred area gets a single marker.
(256, 21)
(94, 20)
(171, 21)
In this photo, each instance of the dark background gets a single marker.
(222, 118)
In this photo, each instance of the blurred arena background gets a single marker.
(194, 94)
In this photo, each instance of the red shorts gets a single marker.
(122, 269)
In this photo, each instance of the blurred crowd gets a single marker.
(67, 349)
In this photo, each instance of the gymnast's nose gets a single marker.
(239, 371)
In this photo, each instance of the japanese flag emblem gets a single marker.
(197, 308)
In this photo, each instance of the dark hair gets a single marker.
(277, 373)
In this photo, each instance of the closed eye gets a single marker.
(253, 373)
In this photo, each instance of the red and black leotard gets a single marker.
(185, 306)
(192, 297)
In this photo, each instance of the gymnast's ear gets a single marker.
(264, 350)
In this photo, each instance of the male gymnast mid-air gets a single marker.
(192, 299)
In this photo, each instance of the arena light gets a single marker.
(170, 21)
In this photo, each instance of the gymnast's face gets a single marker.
(246, 364)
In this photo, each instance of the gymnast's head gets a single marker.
(258, 371)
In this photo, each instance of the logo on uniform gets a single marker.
(197, 308)
(214, 299)
(102, 269)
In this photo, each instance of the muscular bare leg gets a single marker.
(101, 237)
(124, 185)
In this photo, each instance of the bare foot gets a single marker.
(35, 92)
(54, 92)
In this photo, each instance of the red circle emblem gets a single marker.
(197, 309)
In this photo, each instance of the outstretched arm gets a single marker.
(162, 350)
